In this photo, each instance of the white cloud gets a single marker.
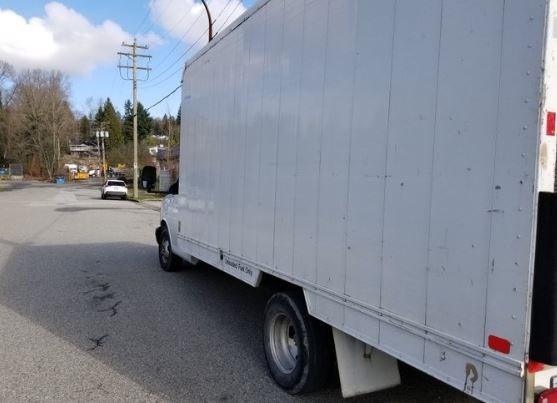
(63, 40)
(187, 20)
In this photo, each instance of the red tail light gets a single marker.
(534, 366)
(499, 344)
(550, 124)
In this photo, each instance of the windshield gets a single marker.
(115, 183)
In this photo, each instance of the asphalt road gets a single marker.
(87, 315)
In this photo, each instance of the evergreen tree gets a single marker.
(144, 122)
(84, 128)
(158, 128)
(179, 116)
(127, 124)
(112, 125)
(99, 116)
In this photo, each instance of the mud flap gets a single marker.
(362, 368)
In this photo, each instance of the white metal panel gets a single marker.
(238, 147)
(309, 140)
(187, 148)
(212, 140)
(408, 172)
(204, 183)
(334, 157)
(457, 369)
(512, 214)
(255, 34)
(226, 143)
(468, 101)
(500, 386)
(405, 344)
(288, 120)
(448, 146)
(265, 212)
(375, 25)
(198, 169)
(217, 208)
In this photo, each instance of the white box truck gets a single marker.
(391, 165)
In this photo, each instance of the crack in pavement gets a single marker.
(101, 287)
(101, 298)
(112, 308)
(99, 387)
(98, 342)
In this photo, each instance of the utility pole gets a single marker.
(99, 134)
(98, 150)
(169, 143)
(134, 55)
(103, 135)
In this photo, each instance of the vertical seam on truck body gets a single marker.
(349, 159)
(302, 61)
(277, 134)
(497, 128)
(436, 113)
(320, 145)
(386, 163)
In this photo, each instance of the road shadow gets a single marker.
(9, 185)
(78, 209)
(189, 335)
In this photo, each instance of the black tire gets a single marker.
(124, 197)
(103, 196)
(298, 348)
(167, 259)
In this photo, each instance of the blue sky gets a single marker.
(82, 37)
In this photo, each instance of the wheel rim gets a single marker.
(283, 344)
(164, 250)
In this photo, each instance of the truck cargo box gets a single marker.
(387, 158)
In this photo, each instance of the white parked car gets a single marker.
(114, 188)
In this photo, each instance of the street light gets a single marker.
(102, 134)
(210, 20)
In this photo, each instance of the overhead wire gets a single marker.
(190, 48)
(179, 41)
(165, 97)
(179, 68)
(142, 21)
(230, 15)
(186, 52)
(160, 14)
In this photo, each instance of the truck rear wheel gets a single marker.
(298, 348)
(167, 259)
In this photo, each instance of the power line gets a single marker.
(160, 14)
(179, 41)
(165, 97)
(190, 48)
(180, 68)
(222, 11)
(142, 21)
(230, 15)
